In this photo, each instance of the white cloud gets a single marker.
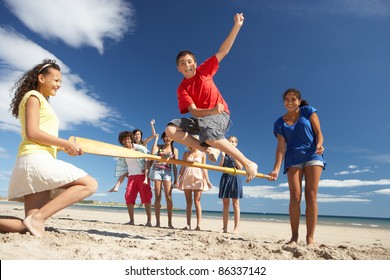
(76, 23)
(347, 183)
(341, 199)
(353, 183)
(18, 54)
(265, 192)
(383, 191)
(356, 171)
(382, 158)
(3, 153)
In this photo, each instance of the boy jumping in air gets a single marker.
(198, 95)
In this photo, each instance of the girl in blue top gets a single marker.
(300, 143)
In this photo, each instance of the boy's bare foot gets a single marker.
(157, 225)
(251, 171)
(197, 228)
(235, 231)
(148, 224)
(212, 154)
(186, 228)
(36, 228)
(131, 223)
(114, 189)
(170, 226)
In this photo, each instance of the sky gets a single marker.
(119, 73)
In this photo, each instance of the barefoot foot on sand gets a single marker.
(293, 242)
(212, 154)
(251, 171)
(34, 227)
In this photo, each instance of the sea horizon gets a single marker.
(350, 221)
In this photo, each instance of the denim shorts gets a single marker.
(161, 174)
(211, 127)
(308, 163)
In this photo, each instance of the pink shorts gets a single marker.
(135, 185)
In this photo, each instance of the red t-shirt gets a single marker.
(200, 89)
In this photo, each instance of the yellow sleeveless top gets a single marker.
(48, 122)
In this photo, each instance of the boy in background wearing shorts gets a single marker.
(135, 171)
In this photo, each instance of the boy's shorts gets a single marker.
(135, 185)
(212, 127)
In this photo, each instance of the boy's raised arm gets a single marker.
(228, 43)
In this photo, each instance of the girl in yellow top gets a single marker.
(37, 173)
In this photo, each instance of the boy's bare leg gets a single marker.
(130, 210)
(148, 210)
(179, 135)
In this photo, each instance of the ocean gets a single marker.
(343, 221)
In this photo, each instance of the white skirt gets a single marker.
(39, 172)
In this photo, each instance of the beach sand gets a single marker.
(74, 234)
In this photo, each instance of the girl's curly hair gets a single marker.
(29, 81)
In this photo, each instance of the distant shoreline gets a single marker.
(339, 221)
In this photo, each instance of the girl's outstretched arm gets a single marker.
(147, 140)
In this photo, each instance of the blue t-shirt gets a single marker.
(300, 139)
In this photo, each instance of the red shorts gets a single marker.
(135, 185)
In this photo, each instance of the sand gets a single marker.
(74, 234)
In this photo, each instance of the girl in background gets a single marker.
(163, 174)
(230, 187)
(137, 135)
(193, 181)
(137, 139)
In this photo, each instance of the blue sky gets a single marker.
(119, 72)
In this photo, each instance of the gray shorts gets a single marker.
(212, 127)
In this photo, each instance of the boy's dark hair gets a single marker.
(124, 134)
(183, 53)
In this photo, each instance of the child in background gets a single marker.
(137, 135)
(134, 170)
(230, 187)
(137, 139)
(193, 181)
(45, 184)
(164, 176)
